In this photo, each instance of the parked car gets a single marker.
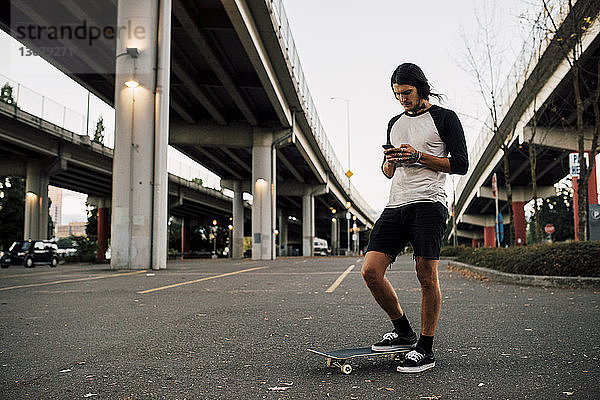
(30, 253)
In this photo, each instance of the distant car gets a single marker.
(30, 253)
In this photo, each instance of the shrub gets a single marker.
(558, 259)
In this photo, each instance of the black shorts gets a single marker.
(422, 224)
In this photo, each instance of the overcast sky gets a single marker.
(348, 48)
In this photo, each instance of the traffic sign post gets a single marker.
(549, 229)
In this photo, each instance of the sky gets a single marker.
(348, 49)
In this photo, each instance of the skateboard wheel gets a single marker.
(346, 369)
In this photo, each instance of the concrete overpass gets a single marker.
(545, 84)
(220, 81)
(45, 153)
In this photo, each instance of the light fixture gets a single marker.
(348, 204)
(354, 217)
(31, 195)
(261, 181)
(333, 210)
(333, 219)
(230, 227)
(132, 83)
(133, 52)
(214, 222)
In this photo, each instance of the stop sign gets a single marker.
(549, 229)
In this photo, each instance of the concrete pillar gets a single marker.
(263, 193)
(592, 197)
(238, 221)
(520, 223)
(283, 231)
(103, 229)
(36, 202)
(139, 198)
(308, 224)
(489, 236)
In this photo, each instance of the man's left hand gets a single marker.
(408, 154)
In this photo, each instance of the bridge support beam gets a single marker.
(489, 236)
(520, 223)
(185, 235)
(139, 199)
(36, 202)
(238, 221)
(308, 224)
(263, 193)
(283, 231)
(334, 234)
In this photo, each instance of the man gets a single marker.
(425, 143)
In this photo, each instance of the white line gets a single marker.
(339, 279)
(199, 280)
(91, 278)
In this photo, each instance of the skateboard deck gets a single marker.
(339, 358)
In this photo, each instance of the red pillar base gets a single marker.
(103, 227)
(520, 224)
(489, 236)
(476, 243)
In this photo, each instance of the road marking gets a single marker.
(199, 280)
(91, 278)
(339, 279)
(31, 274)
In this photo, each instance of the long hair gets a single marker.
(411, 74)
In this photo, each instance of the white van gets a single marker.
(320, 247)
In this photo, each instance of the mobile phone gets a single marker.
(387, 146)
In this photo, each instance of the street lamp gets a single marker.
(214, 238)
(348, 205)
(348, 173)
(230, 227)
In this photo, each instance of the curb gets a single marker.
(530, 280)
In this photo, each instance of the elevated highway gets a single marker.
(218, 80)
(543, 85)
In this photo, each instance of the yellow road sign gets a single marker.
(349, 174)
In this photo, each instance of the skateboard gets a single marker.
(339, 358)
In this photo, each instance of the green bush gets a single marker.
(558, 259)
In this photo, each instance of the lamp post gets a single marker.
(214, 238)
(348, 173)
(348, 205)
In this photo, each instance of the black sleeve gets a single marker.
(387, 141)
(451, 132)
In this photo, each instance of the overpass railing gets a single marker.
(35, 103)
(75, 124)
(276, 6)
(516, 77)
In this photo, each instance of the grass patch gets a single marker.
(556, 259)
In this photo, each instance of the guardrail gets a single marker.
(51, 115)
(276, 7)
(515, 80)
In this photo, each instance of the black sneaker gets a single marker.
(393, 341)
(416, 361)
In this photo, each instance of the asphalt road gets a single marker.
(240, 330)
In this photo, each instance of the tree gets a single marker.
(91, 227)
(99, 132)
(12, 210)
(6, 94)
(558, 211)
(570, 38)
(484, 62)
